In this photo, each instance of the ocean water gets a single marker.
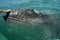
(50, 30)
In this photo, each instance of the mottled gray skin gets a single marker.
(26, 16)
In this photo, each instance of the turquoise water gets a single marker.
(47, 31)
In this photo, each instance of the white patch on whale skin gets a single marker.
(15, 13)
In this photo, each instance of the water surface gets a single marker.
(46, 31)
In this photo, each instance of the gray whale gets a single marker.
(26, 16)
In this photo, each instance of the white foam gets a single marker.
(36, 11)
(47, 12)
